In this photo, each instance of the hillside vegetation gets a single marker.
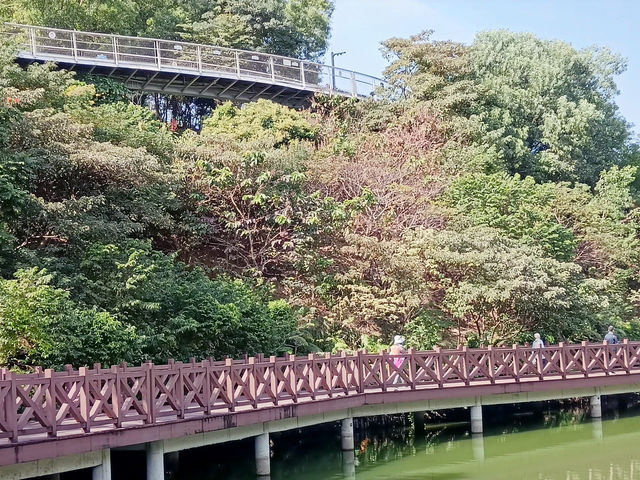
(491, 193)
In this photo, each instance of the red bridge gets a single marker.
(52, 422)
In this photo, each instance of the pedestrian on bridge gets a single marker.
(611, 337)
(398, 349)
(537, 342)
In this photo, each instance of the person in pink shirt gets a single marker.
(398, 349)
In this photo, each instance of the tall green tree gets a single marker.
(537, 107)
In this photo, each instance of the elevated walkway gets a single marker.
(190, 69)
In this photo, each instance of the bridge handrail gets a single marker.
(120, 396)
(188, 57)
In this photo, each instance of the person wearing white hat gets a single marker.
(398, 349)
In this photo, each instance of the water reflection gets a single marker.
(477, 444)
(531, 445)
(348, 464)
(597, 429)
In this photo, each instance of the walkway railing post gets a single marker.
(539, 362)
(584, 357)
(354, 85)
(492, 362)
(272, 68)
(361, 372)
(228, 366)
(32, 39)
(438, 365)
(625, 353)
(199, 56)
(304, 83)
(311, 359)
(85, 399)
(273, 379)
(516, 362)
(563, 359)
(149, 397)
(384, 369)
(208, 371)
(74, 46)
(158, 55)
(50, 403)
(114, 41)
(253, 391)
(116, 400)
(10, 407)
(412, 368)
(605, 356)
(465, 365)
(237, 55)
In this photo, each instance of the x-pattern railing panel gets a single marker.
(47, 401)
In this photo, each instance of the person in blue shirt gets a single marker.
(611, 338)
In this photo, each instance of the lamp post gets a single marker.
(333, 69)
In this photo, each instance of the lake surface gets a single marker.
(529, 442)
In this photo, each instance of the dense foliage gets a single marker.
(287, 27)
(492, 195)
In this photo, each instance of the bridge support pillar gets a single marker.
(596, 407)
(346, 434)
(476, 418)
(103, 471)
(263, 455)
(155, 460)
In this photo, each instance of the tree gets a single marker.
(520, 208)
(538, 107)
(298, 28)
(179, 312)
(496, 289)
(40, 325)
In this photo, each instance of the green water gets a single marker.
(541, 445)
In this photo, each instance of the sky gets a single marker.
(359, 26)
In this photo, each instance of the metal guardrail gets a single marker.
(100, 49)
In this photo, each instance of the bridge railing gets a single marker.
(100, 49)
(120, 396)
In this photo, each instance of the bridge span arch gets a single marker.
(190, 69)
(57, 421)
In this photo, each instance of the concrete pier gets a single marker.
(103, 471)
(346, 434)
(348, 464)
(155, 460)
(476, 418)
(596, 407)
(263, 456)
(477, 444)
